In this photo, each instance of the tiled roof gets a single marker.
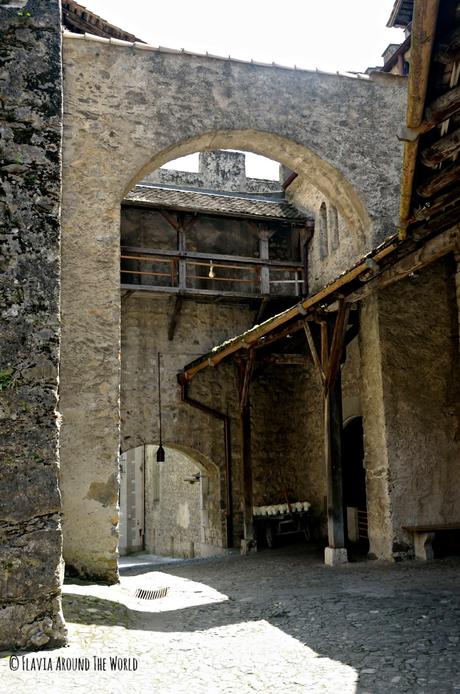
(401, 14)
(214, 203)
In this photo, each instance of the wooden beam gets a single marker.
(444, 106)
(332, 410)
(340, 327)
(246, 459)
(314, 352)
(440, 180)
(441, 202)
(192, 255)
(285, 359)
(433, 250)
(247, 375)
(174, 316)
(274, 337)
(422, 38)
(443, 149)
(449, 50)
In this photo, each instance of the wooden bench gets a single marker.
(424, 536)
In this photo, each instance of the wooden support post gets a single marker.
(333, 333)
(181, 247)
(174, 316)
(264, 254)
(248, 543)
(333, 460)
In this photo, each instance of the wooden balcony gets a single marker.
(212, 275)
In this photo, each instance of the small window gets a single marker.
(333, 226)
(322, 231)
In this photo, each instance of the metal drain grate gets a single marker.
(150, 594)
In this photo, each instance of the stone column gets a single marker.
(30, 173)
(410, 371)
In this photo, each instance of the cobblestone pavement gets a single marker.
(276, 621)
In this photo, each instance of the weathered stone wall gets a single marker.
(182, 516)
(287, 437)
(333, 247)
(219, 170)
(30, 179)
(410, 372)
(200, 325)
(339, 129)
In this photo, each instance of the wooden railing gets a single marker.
(205, 273)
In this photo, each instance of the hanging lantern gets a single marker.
(211, 273)
(160, 450)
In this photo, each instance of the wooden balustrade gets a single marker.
(198, 273)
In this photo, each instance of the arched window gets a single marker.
(322, 231)
(333, 225)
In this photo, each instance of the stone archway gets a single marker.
(171, 508)
(130, 109)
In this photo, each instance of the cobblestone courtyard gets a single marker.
(277, 621)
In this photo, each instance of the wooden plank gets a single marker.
(452, 197)
(443, 149)
(431, 527)
(192, 255)
(436, 183)
(444, 106)
(433, 250)
(314, 352)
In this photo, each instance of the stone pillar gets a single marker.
(30, 173)
(410, 373)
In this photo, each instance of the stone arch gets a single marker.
(330, 181)
(177, 503)
(127, 110)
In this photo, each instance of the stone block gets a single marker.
(334, 556)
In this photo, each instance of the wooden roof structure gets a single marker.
(430, 188)
(81, 20)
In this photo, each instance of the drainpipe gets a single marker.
(227, 450)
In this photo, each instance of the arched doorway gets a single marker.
(354, 481)
(168, 508)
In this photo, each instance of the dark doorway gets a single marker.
(354, 481)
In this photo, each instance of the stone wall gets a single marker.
(333, 247)
(218, 170)
(287, 437)
(182, 516)
(30, 180)
(145, 323)
(410, 382)
(339, 129)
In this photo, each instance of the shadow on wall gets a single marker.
(169, 508)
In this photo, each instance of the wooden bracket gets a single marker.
(174, 316)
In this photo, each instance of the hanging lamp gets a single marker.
(160, 450)
(211, 273)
